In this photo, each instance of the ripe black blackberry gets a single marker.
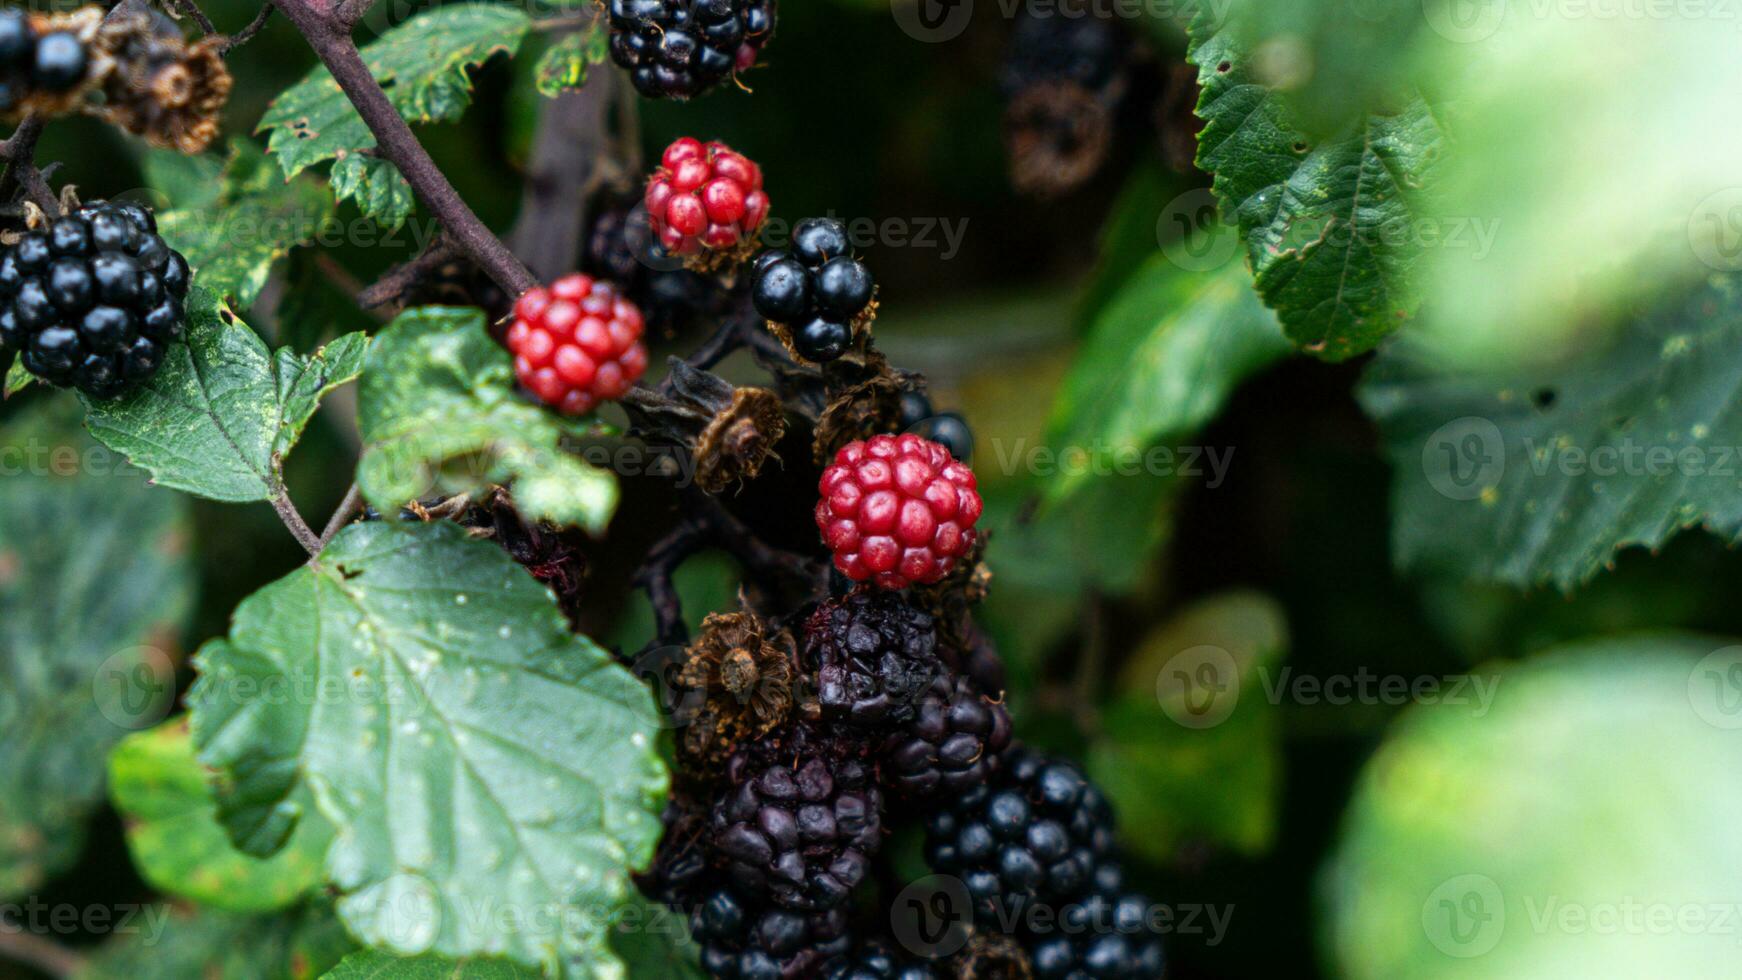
(744, 938)
(94, 299)
(681, 48)
(877, 960)
(950, 746)
(799, 820)
(33, 61)
(817, 292)
(621, 247)
(870, 656)
(1035, 834)
(1108, 935)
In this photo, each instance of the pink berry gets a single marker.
(576, 343)
(897, 511)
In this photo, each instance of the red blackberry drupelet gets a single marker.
(705, 197)
(576, 343)
(897, 510)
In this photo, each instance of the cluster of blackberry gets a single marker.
(678, 49)
(817, 292)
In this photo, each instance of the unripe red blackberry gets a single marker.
(93, 300)
(681, 48)
(621, 247)
(869, 657)
(799, 820)
(950, 746)
(897, 510)
(705, 198)
(576, 344)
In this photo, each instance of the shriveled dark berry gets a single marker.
(951, 746)
(872, 656)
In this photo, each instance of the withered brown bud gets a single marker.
(729, 432)
(864, 400)
(992, 956)
(1058, 134)
(738, 680)
(158, 85)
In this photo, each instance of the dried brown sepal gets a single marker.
(714, 261)
(730, 432)
(161, 87)
(736, 682)
(865, 400)
(861, 327)
(991, 956)
(1057, 134)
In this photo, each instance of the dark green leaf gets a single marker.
(187, 182)
(437, 389)
(1327, 223)
(1534, 831)
(257, 219)
(94, 590)
(564, 66)
(223, 411)
(165, 797)
(1541, 476)
(471, 751)
(423, 65)
(377, 186)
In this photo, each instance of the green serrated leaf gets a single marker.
(165, 797)
(1325, 222)
(373, 964)
(564, 66)
(471, 751)
(17, 379)
(257, 219)
(436, 390)
(377, 186)
(1191, 749)
(95, 588)
(1530, 830)
(1541, 476)
(422, 64)
(164, 942)
(223, 411)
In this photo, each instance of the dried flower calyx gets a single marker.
(737, 681)
(729, 431)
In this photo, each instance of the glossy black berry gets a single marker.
(93, 302)
(745, 938)
(817, 240)
(915, 408)
(950, 430)
(822, 340)
(681, 48)
(782, 291)
(59, 63)
(843, 287)
(16, 41)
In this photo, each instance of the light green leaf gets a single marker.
(470, 750)
(165, 797)
(564, 66)
(1190, 748)
(1532, 476)
(377, 186)
(423, 65)
(373, 964)
(1159, 363)
(164, 942)
(1541, 830)
(17, 379)
(436, 390)
(187, 182)
(1326, 222)
(257, 219)
(95, 587)
(223, 411)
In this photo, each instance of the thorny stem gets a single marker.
(327, 28)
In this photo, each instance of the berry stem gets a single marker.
(341, 515)
(327, 29)
(19, 151)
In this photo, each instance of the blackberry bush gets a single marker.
(93, 300)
